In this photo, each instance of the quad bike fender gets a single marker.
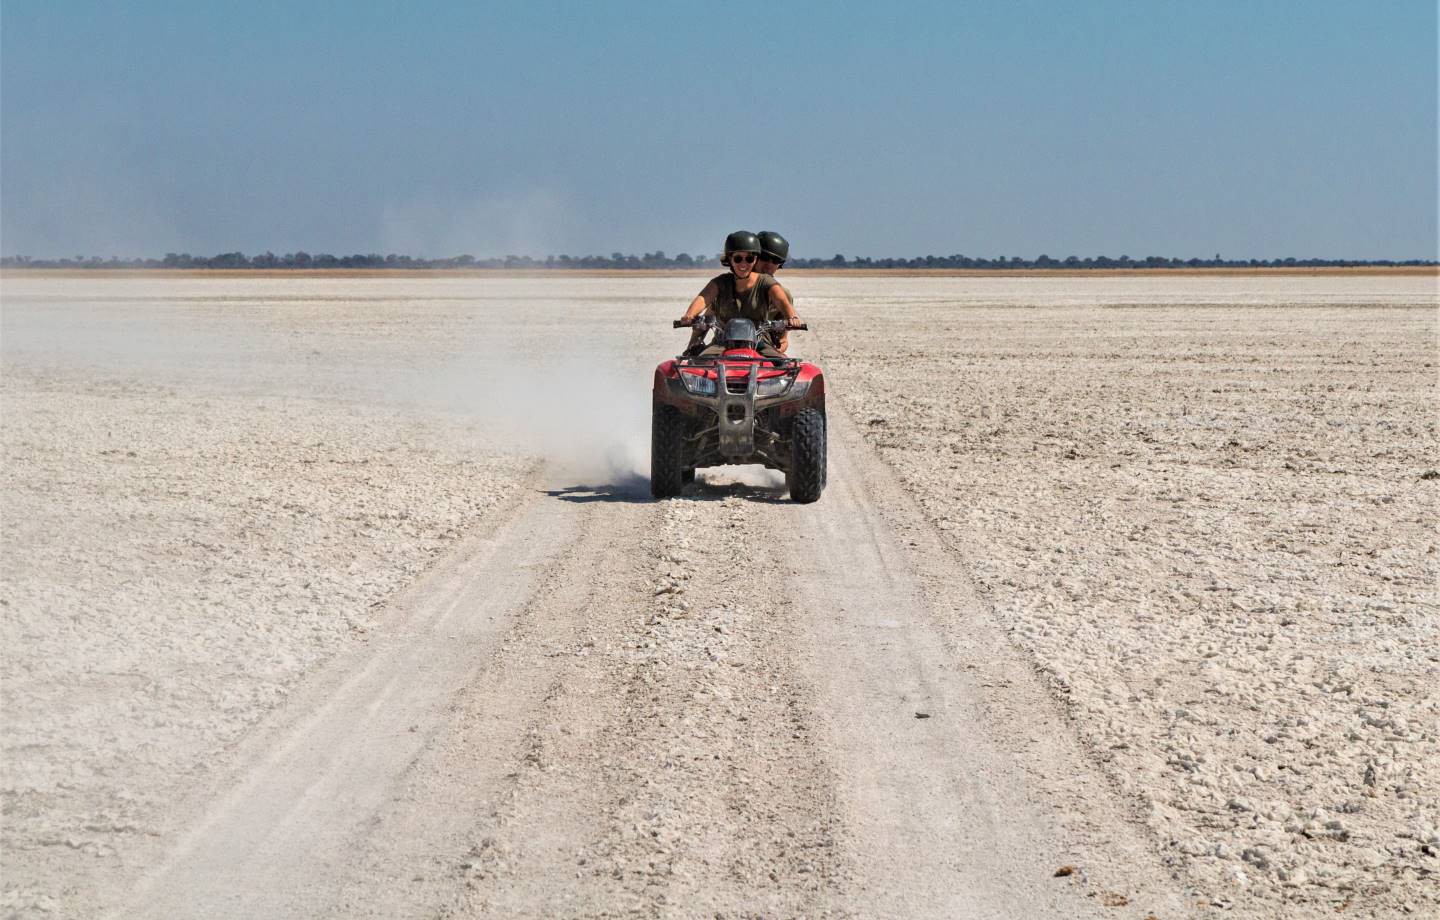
(668, 390)
(665, 374)
(813, 380)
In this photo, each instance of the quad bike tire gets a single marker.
(806, 476)
(667, 442)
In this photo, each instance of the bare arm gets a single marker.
(705, 298)
(781, 300)
(702, 301)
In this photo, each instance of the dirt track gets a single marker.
(592, 711)
(589, 704)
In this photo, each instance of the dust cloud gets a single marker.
(586, 411)
(509, 376)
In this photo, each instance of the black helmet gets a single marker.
(740, 241)
(773, 246)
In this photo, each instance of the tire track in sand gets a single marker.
(291, 811)
(674, 772)
(705, 706)
(960, 782)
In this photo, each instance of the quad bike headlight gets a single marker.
(698, 384)
(774, 386)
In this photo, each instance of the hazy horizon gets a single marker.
(663, 260)
(448, 128)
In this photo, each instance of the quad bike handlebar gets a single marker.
(705, 322)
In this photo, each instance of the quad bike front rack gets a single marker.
(736, 415)
(708, 362)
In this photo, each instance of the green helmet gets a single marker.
(740, 241)
(773, 246)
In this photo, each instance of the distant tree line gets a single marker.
(658, 259)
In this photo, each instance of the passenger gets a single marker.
(774, 250)
(742, 292)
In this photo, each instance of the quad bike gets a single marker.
(739, 407)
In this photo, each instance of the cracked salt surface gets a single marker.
(1207, 515)
(1214, 531)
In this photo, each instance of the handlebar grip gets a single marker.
(681, 324)
(802, 326)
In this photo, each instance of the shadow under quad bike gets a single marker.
(738, 407)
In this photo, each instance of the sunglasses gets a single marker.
(742, 258)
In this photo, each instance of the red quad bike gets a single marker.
(738, 408)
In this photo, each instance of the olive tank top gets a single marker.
(753, 304)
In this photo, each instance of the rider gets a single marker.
(742, 292)
(774, 250)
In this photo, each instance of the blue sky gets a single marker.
(1261, 128)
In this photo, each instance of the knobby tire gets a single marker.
(667, 441)
(807, 456)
